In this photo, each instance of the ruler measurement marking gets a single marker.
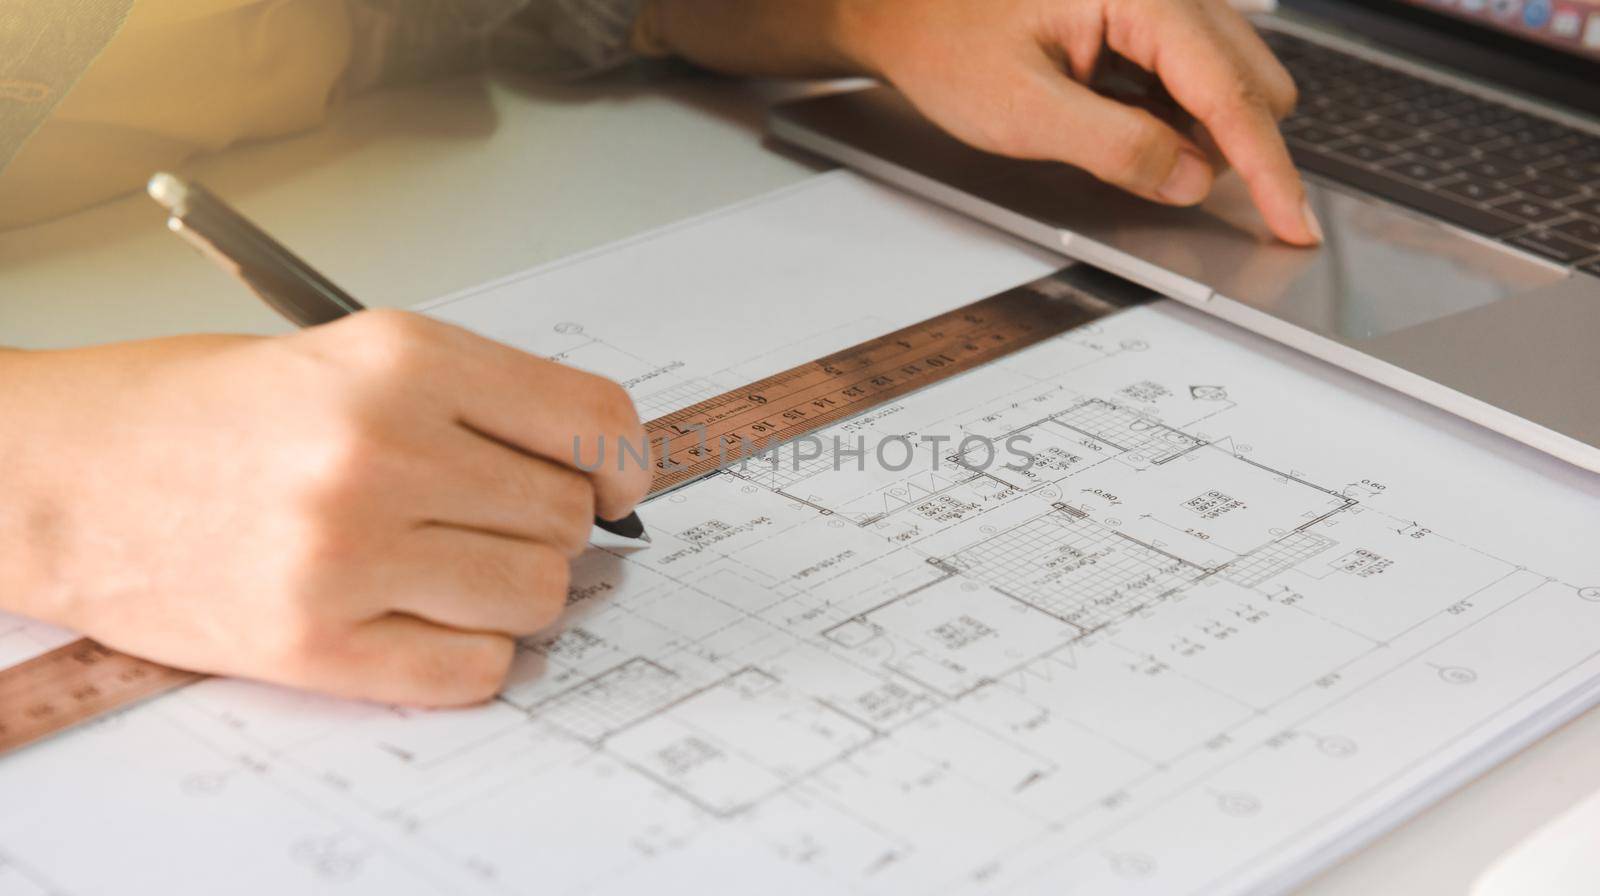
(73, 683)
(734, 427)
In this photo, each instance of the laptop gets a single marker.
(1452, 152)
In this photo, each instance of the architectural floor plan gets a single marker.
(1239, 609)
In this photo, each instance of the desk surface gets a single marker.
(471, 180)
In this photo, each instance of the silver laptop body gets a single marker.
(1469, 287)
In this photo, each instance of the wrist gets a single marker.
(853, 29)
(28, 515)
(774, 38)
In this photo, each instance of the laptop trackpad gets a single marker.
(1382, 269)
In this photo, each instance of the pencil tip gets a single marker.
(645, 537)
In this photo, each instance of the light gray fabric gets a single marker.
(412, 39)
(568, 38)
(408, 40)
(45, 45)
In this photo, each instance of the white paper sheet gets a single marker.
(1243, 613)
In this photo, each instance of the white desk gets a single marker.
(412, 194)
(405, 196)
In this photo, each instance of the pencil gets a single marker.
(280, 278)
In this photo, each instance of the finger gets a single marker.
(1179, 42)
(479, 582)
(1277, 84)
(1250, 141)
(1059, 119)
(536, 405)
(490, 486)
(402, 659)
(564, 415)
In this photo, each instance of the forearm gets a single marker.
(764, 38)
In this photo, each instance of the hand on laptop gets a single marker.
(1010, 76)
(339, 509)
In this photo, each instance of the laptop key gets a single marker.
(1312, 133)
(1548, 190)
(1582, 230)
(1407, 89)
(1452, 106)
(1478, 191)
(1489, 127)
(1434, 102)
(1580, 173)
(1562, 141)
(1529, 211)
(1533, 133)
(1385, 133)
(1440, 151)
(1334, 114)
(1528, 153)
(1379, 183)
(1491, 168)
(1474, 135)
(1413, 116)
(1586, 151)
(1590, 207)
(1370, 153)
(1555, 248)
(1421, 172)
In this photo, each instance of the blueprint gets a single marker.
(1240, 613)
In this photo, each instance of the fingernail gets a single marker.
(1312, 224)
(1189, 181)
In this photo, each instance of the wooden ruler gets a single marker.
(769, 413)
(72, 684)
(84, 679)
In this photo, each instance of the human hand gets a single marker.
(374, 508)
(1013, 76)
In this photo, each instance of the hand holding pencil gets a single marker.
(376, 507)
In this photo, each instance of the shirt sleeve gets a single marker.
(405, 40)
(568, 38)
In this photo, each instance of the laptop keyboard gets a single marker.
(1523, 180)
